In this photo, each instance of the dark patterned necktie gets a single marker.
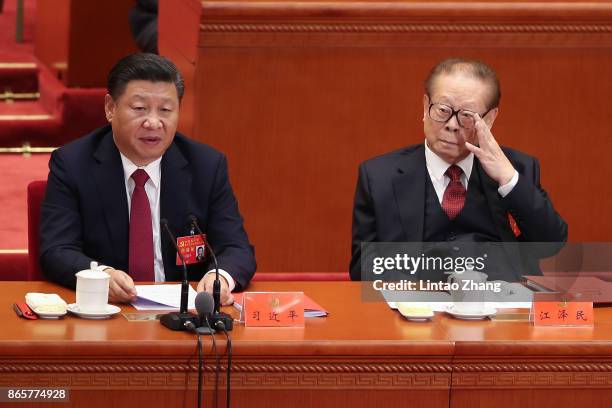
(454, 195)
(141, 231)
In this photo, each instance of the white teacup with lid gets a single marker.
(92, 289)
(467, 299)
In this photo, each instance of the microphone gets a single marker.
(204, 305)
(217, 315)
(178, 321)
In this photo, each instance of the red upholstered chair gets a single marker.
(36, 193)
(13, 265)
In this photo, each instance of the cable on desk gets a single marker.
(217, 366)
(221, 326)
(192, 328)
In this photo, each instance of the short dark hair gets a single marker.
(145, 67)
(473, 68)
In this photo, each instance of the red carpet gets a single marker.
(19, 77)
(16, 171)
(61, 114)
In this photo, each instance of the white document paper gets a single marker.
(162, 297)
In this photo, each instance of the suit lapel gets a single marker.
(498, 213)
(175, 203)
(500, 218)
(110, 183)
(409, 191)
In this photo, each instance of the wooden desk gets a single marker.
(361, 355)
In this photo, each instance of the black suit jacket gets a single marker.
(390, 204)
(84, 215)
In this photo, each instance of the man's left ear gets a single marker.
(490, 117)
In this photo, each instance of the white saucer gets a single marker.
(421, 317)
(475, 315)
(418, 318)
(49, 315)
(108, 312)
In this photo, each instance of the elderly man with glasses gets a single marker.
(459, 186)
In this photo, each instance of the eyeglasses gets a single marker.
(442, 113)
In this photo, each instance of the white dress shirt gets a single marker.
(436, 167)
(153, 189)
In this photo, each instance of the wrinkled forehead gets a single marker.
(461, 90)
(143, 89)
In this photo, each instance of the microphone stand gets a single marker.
(174, 320)
(217, 315)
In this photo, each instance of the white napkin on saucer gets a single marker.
(46, 302)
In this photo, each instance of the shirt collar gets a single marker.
(153, 169)
(437, 166)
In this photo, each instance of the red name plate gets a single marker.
(273, 309)
(563, 313)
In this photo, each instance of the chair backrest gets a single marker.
(36, 193)
(301, 276)
(14, 265)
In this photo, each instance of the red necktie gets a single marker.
(454, 195)
(141, 231)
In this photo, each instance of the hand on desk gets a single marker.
(121, 289)
(206, 284)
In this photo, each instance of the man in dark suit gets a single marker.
(108, 191)
(460, 185)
